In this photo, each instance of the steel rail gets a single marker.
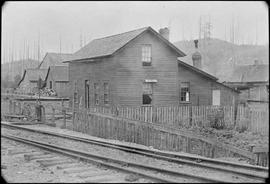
(113, 163)
(183, 159)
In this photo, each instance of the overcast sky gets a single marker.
(23, 21)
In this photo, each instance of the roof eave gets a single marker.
(92, 59)
(198, 70)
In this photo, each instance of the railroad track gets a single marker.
(65, 168)
(253, 172)
(168, 176)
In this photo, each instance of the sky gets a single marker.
(72, 23)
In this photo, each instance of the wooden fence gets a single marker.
(242, 118)
(163, 137)
(254, 120)
(156, 126)
(173, 115)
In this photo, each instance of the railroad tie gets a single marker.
(106, 178)
(68, 165)
(17, 152)
(28, 157)
(93, 174)
(49, 163)
(77, 170)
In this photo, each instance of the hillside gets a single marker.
(218, 55)
(10, 70)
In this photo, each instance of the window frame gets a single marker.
(181, 92)
(96, 93)
(146, 55)
(149, 94)
(107, 93)
(87, 93)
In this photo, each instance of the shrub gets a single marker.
(216, 119)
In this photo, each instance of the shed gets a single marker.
(57, 79)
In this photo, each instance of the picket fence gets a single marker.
(173, 115)
(242, 117)
(253, 120)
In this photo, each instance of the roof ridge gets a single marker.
(121, 33)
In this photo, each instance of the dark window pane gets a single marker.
(147, 99)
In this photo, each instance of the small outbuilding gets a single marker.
(57, 79)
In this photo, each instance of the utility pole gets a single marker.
(200, 27)
(60, 44)
(183, 34)
(38, 45)
(28, 50)
(80, 38)
(256, 42)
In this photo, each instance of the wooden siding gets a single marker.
(60, 87)
(98, 72)
(130, 73)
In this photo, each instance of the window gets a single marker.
(87, 99)
(106, 93)
(184, 92)
(146, 55)
(96, 89)
(147, 93)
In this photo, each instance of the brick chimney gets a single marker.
(165, 32)
(197, 57)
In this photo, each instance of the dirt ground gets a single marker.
(244, 140)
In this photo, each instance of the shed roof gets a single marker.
(205, 74)
(34, 74)
(107, 46)
(250, 73)
(59, 73)
(197, 70)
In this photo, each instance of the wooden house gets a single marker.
(57, 79)
(28, 83)
(252, 81)
(141, 67)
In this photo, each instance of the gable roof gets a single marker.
(59, 73)
(108, 46)
(56, 59)
(33, 74)
(250, 73)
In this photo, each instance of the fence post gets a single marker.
(14, 107)
(53, 114)
(10, 107)
(20, 108)
(64, 118)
